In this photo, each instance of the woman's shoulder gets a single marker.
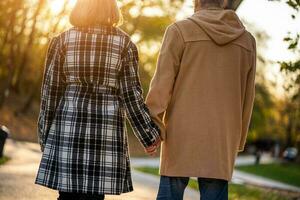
(71, 33)
(67, 33)
(127, 37)
(59, 37)
(122, 32)
(100, 30)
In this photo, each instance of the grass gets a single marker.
(3, 160)
(287, 173)
(236, 192)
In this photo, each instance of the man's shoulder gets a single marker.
(181, 24)
(252, 38)
(188, 29)
(247, 40)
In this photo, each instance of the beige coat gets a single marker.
(202, 94)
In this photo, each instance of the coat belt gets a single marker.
(92, 88)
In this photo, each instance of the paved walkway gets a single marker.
(242, 178)
(17, 178)
(240, 161)
(238, 176)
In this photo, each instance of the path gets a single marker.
(238, 176)
(242, 177)
(17, 178)
(241, 160)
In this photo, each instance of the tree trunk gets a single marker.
(27, 105)
(25, 57)
(24, 109)
(9, 41)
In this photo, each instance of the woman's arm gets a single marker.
(132, 97)
(53, 87)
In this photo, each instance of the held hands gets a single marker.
(151, 150)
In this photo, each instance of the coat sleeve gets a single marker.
(131, 92)
(162, 84)
(248, 102)
(52, 89)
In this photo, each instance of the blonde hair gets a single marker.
(96, 12)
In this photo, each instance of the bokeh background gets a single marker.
(26, 27)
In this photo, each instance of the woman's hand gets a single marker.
(151, 150)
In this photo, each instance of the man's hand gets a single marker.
(153, 148)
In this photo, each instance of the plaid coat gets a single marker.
(91, 84)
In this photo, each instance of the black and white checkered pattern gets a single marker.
(91, 84)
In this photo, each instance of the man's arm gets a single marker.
(248, 102)
(162, 84)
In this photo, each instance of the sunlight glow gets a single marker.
(134, 11)
(153, 12)
(57, 5)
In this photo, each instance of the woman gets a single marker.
(90, 84)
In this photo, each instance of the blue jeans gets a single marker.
(172, 188)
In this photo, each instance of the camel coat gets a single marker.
(202, 94)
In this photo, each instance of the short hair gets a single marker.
(96, 12)
(212, 2)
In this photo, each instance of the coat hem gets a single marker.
(198, 175)
(68, 190)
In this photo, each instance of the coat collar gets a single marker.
(99, 29)
(209, 8)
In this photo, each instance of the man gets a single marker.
(202, 97)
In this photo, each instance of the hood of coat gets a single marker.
(222, 26)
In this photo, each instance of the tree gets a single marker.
(21, 44)
(292, 71)
(26, 27)
(146, 22)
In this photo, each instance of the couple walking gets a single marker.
(198, 107)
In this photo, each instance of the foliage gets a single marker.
(3, 160)
(147, 29)
(292, 70)
(295, 4)
(263, 122)
(26, 27)
(291, 107)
